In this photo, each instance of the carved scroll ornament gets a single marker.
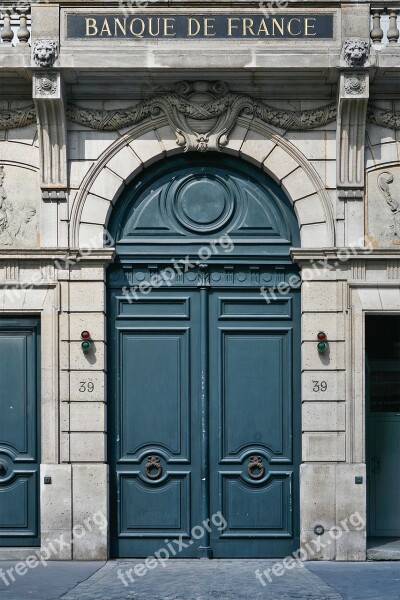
(201, 124)
(202, 114)
(384, 181)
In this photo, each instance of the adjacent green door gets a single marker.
(204, 370)
(19, 432)
(383, 424)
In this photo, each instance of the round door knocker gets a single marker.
(3, 466)
(255, 467)
(153, 467)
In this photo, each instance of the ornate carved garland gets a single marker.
(384, 118)
(198, 123)
(18, 117)
(202, 114)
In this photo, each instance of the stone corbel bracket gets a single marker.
(49, 98)
(350, 142)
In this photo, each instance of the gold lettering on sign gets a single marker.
(200, 26)
(263, 28)
(208, 26)
(168, 26)
(105, 28)
(151, 32)
(308, 26)
(191, 22)
(290, 27)
(247, 26)
(117, 23)
(137, 33)
(277, 25)
(232, 25)
(91, 24)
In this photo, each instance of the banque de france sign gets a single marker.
(96, 26)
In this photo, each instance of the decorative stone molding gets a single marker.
(393, 270)
(47, 84)
(354, 84)
(301, 180)
(302, 256)
(384, 182)
(350, 141)
(15, 118)
(384, 118)
(54, 195)
(358, 270)
(354, 53)
(11, 270)
(45, 53)
(16, 219)
(201, 113)
(112, 120)
(48, 93)
(383, 207)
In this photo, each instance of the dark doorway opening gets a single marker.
(383, 432)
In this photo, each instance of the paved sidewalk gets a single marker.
(203, 580)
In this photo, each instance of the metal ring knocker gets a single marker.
(255, 468)
(153, 467)
(3, 466)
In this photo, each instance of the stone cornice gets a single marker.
(74, 255)
(342, 255)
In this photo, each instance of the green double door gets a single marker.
(204, 423)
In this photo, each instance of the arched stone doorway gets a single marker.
(204, 363)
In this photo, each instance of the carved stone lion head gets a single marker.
(45, 53)
(355, 52)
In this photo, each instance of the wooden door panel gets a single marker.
(255, 405)
(155, 510)
(19, 432)
(155, 389)
(259, 511)
(255, 387)
(155, 453)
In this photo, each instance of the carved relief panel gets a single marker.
(383, 207)
(18, 207)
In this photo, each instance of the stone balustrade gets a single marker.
(385, 26)
(15, 23)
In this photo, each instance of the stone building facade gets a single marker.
(94, 107)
